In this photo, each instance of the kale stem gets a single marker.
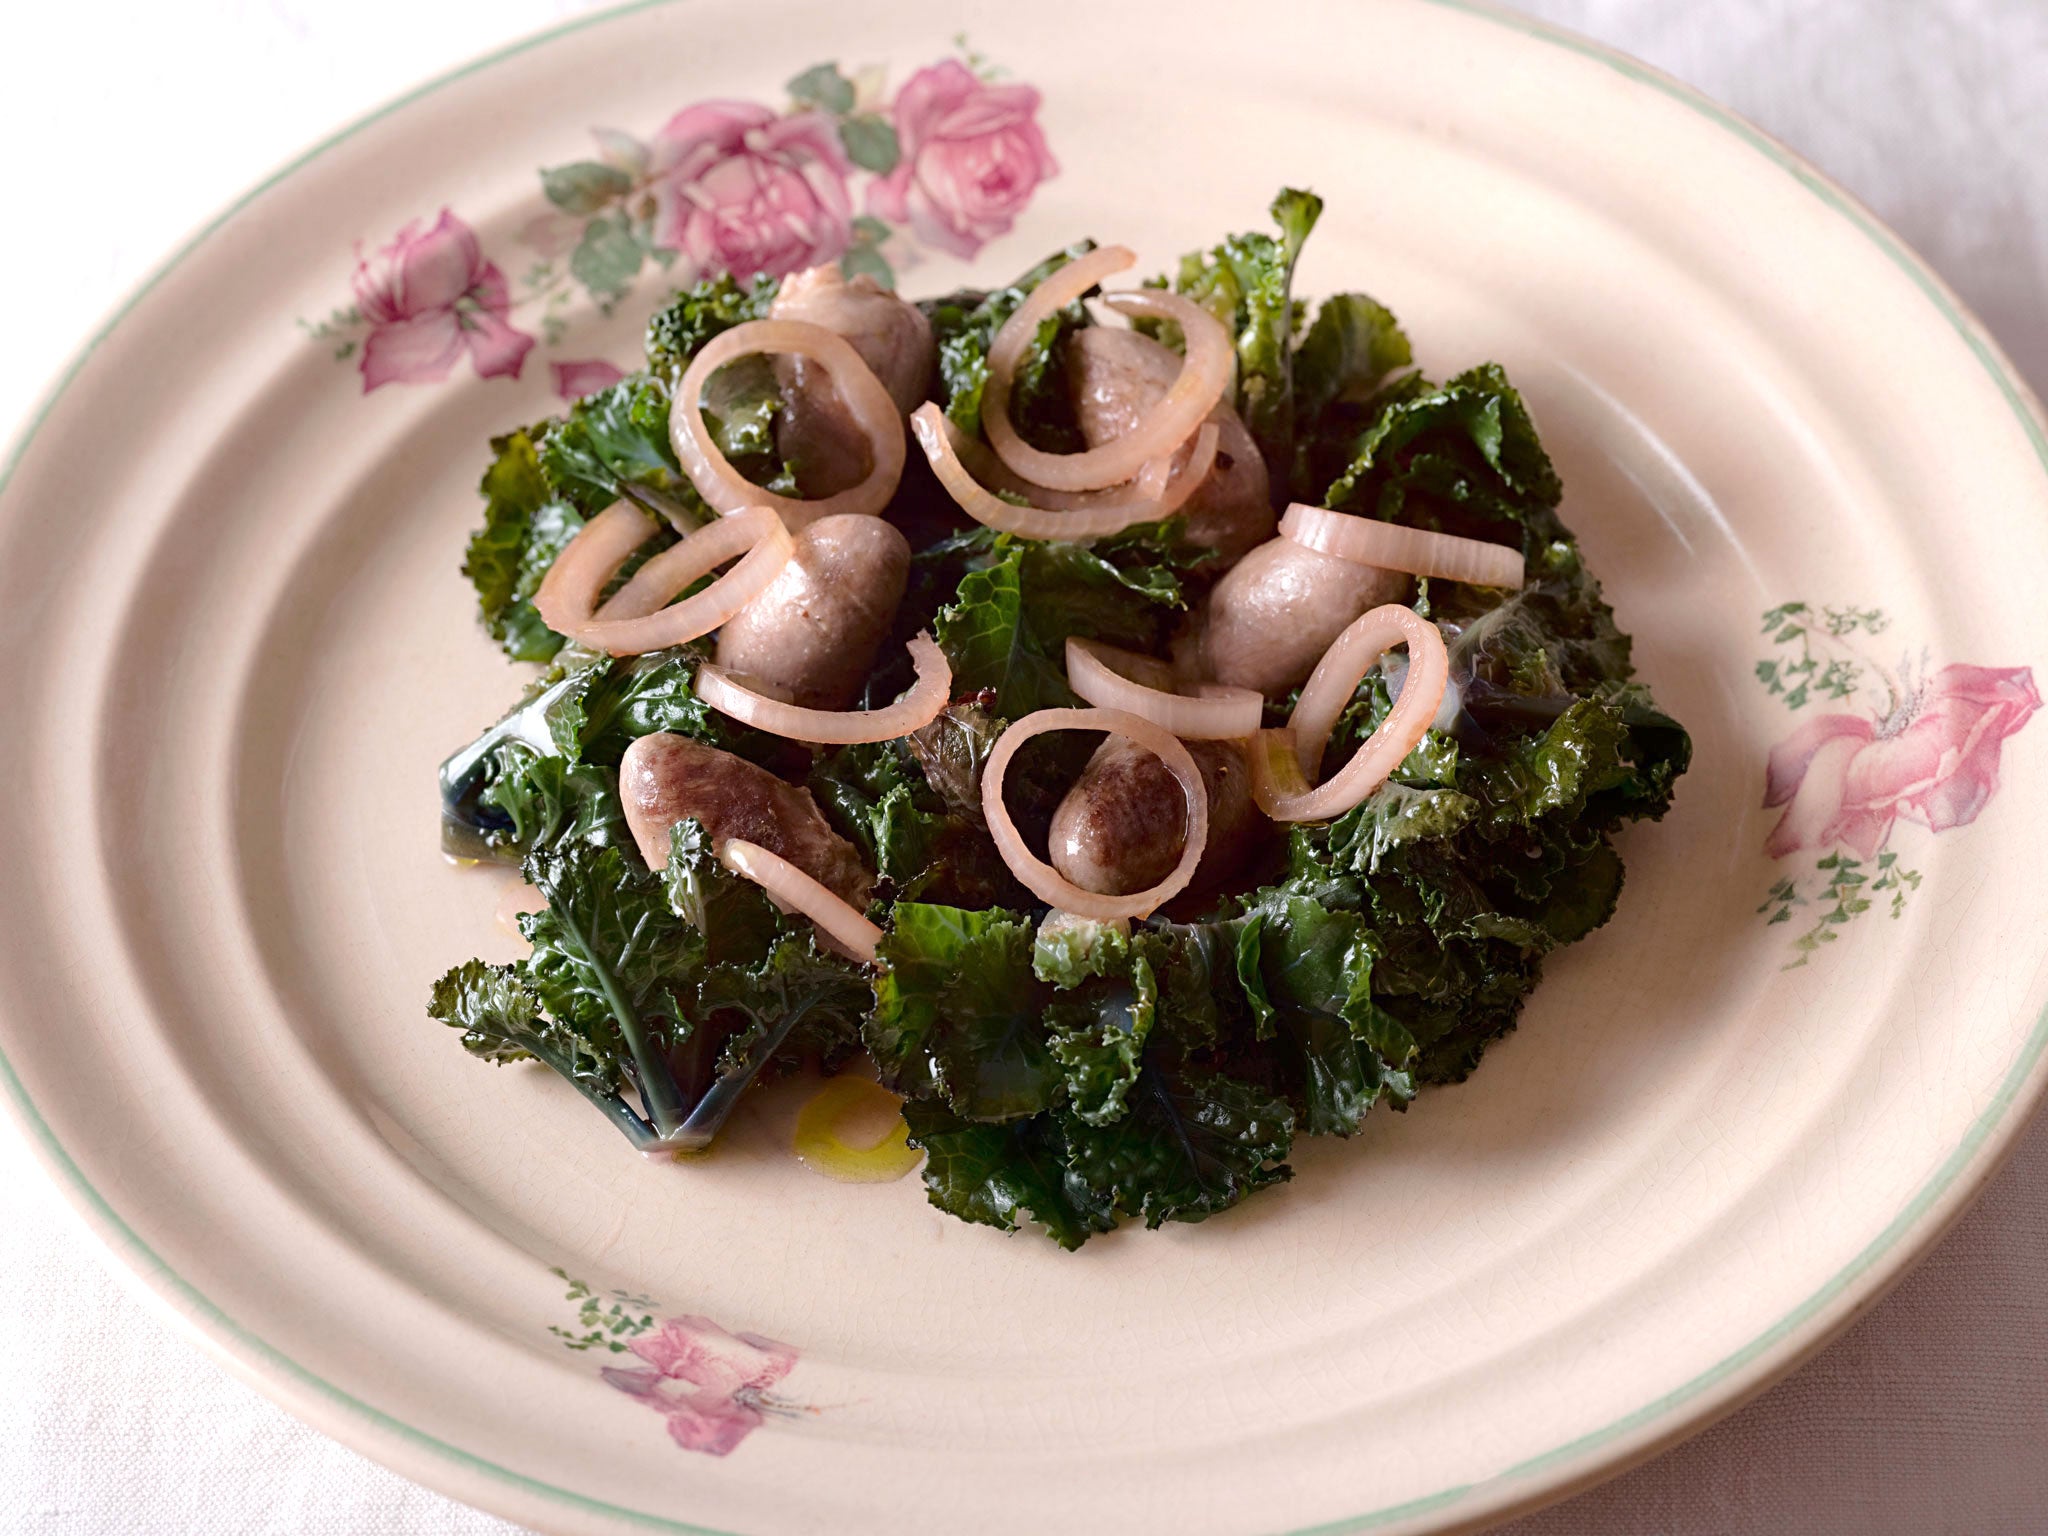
(616, 1109)
(720, 1097)
(659, 1091)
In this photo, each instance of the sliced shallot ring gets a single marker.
(1393, 547)
(1078, 526)
(990, 472)
(836, 727)
(634, 620)
(866, 398)
(1204, 375)
(793, 890)
(1039, 877)
(1101, 674)
(1281, 760)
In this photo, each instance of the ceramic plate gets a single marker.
(228, 579)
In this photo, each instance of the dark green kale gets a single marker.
(524, 528)
(692, 317)
(1056, 1070)
(1018, 601)
(1247, 283)
(963, 325)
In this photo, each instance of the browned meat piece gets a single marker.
(1122, 825)
(1115, 376)
(815, 433)
(665, 779)
(1275, 612)
(811, 637)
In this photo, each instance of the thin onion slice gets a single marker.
(794, 891)
(990, 472)
(837, 727)
(1039, 877)
(1392, 547)
(635, 619)
(1079, 526)
(1282, 760)
(866, 398)
(1204, 375)
(1229, 714)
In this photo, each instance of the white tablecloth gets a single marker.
(131, 121)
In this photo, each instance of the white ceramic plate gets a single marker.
(228, 587)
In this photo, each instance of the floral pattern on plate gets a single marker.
(1920, 745)
(710, 1385)
(843, 173)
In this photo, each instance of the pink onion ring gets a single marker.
(837, 727)
(1039, 877)
(1204, 375)
(1228, 714)
(1392, 547)
(794, 891)
(993, 474)
(1080, 526)
(1281, 789)
(634, 620)
(864, 395)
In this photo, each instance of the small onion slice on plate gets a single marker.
(1204, 375)
(1143, 502)
(1039, 877)
(864, 396)
(1416, 551)
(1281, 760)
(836, 727)
(634, 620)
(1101, 674)
(794, 891)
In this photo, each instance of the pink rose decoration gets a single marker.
(429, 296)
(575, 380)
(742, 190)
(710, 1385)
(1934, 760)
(972, 157)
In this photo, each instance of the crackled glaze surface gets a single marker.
(225, 899)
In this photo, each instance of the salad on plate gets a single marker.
(1123, 728)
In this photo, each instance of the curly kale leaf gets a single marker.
(611, 961)
(997, 1174)
(733, 917)
(693, 316)
(963, 325)
(614, 442)
(1189, 1146)
(524, 528)
(958, 1013)
(1461, 457)
(1020, 599)
(1098, 1035)
(1346, 353)
(1247, 283)
(550, 801)
(799, 1007)
(499, 1014)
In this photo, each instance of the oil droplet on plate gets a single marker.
(852, 1130)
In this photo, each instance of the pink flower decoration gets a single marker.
(972, 157)
(429, 296)
(710, 1385)
(742, 190)
(1933, 760)
(575, 380)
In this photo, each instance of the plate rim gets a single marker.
(1587, 1459)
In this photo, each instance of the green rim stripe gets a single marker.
(212, 1318)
